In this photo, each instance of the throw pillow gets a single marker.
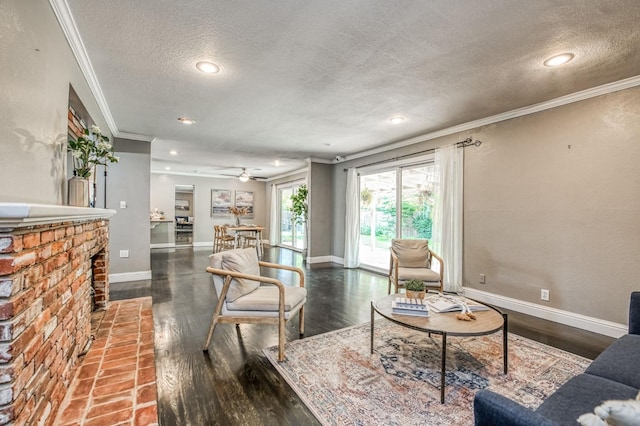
(614, 412)
(245, 261)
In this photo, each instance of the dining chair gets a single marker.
(221, 239)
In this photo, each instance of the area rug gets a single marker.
(343, 384)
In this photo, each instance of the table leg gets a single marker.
(505, 339)
(444, 366)
(372, 317)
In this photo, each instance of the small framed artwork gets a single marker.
(182, 205)
(245, 199)
(220, 202)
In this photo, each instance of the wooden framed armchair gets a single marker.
(244, 296)
(412, 259)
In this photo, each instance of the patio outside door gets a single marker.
(291, 234)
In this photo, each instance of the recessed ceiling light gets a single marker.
(208, 67)
(185, 120)
(167, 168)
(276, 163)
(173, 152)
(560, 59)
(396, 120)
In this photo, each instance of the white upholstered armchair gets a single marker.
(246, 297)
(412, 259)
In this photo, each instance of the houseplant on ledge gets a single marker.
(415, 289)
(87, 151)
(300, 213)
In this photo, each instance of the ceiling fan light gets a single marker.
(243, 177)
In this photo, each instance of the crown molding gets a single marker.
(604, 89)
(68, 25)
(320, 160)
(284, 175)
(135, 136)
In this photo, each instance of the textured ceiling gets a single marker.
(320, 78)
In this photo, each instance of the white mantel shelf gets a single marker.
(18, 215)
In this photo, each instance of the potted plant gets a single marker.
(88, 151)
(415, 289)
(300, 212)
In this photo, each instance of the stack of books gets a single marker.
(406, 306)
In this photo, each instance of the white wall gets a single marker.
(36, 67)
(163, 188)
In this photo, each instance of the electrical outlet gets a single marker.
(544, 294)
(482, 279)
(124, 253)
(123, 204)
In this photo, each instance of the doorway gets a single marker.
(184, 209)
(291, 233)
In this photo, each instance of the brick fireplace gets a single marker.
(50, 258)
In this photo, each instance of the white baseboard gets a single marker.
(572, 319)
(130, 276)
(203, 244)
(325, 259)
(163, 245)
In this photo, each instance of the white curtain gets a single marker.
(273, 217)
(447, 226)
(352, 221)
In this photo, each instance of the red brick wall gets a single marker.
(45, 312)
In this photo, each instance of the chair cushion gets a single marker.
(424, 274)
(620, 361)
(412, 253)
(238, 260)
(266, 298)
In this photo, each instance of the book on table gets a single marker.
(450, 303)
(407, 306)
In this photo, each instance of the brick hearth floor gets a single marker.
(116, 383)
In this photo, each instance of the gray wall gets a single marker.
(539, 214)
(163, 187)
(37, 67)
(129, 181)
(320, 177)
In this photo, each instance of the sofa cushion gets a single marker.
(412, 253)
(581, 395)
(620, 361)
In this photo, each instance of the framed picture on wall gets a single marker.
(182, 205)
(220, 202)
(245, 199)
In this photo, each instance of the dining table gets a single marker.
(255, 230)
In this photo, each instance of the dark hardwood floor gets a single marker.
(234, 384)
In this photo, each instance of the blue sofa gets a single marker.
(615, 374)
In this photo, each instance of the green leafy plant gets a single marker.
(299, 205)
(415, 285)
(90, 150)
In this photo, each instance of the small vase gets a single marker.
(237, 220)
(78, 192)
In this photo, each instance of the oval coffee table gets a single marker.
(445, 324)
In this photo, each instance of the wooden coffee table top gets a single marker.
(486, 322)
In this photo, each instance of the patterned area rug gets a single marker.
(343, 384)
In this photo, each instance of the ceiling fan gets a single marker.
(245, 177)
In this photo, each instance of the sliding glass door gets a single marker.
(291, 234)
(396, 203)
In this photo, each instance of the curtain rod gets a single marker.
(462, 144)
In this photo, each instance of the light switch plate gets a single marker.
(124, 253)
(123, 204)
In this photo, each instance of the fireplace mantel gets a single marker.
(17, 215)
